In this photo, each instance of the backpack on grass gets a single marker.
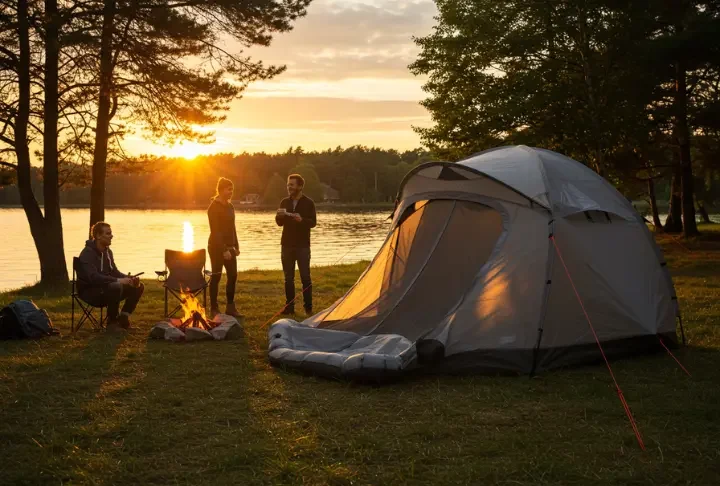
(23, 319)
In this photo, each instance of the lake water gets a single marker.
(141, 236)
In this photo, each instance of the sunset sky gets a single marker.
(346, 83)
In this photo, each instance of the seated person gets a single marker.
(100, 283)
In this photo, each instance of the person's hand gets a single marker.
(237, 251)
(227, 255)
(281, 212)
(125, 281)
(136, 281)
(297, 217)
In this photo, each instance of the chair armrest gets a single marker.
(161, 274)
(208, 273)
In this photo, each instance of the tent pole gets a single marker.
(546, 297)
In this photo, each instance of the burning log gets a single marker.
(196, 319)
(194, 314)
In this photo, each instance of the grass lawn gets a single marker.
(121, 409)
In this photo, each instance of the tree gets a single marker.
(31, 109)
(145, 73)
(312, 189)
(138, 55)
(575, 77)
(352, 186)
(275, 190)
(551, 74)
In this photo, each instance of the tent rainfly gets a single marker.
(516, 260)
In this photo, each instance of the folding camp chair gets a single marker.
(184, 272)
(86, 308)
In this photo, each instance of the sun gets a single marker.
(188, 150)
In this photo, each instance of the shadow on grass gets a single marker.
(560, 426)
(126, 410)
(46, 392)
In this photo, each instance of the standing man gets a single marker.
(296, 215)
(100, 283)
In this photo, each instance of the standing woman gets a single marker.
(223, 246)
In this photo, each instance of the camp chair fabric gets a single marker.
(184, 272)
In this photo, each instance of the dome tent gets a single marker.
(495, 263)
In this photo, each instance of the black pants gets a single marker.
(217, 261)
(289, 256)
(111, 295)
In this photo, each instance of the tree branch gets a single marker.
(8, 164)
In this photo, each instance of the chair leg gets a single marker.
(101, 318)
(72, 316)
(166, 302)
(205, 297)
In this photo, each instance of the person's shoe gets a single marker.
(231, 310)
(215, 310)
(308, 311)
(288, 311)
(124, 320)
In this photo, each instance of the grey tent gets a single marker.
(512, 260)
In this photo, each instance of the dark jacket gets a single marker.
(297, 235)
(223, 234)
(97, 269)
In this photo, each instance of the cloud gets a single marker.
(375, 89)
(274, 124)
(350, 39)
(334, 114)
(347, 83)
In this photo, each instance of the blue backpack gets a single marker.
(23, 319)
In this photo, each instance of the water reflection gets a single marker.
(188, 237)
(142, 236)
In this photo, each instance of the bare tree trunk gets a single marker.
(46, 231)
(653, 205)
(22, 150)
(99, 168)
(51, 249)
(673, 223)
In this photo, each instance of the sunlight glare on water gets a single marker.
(188, 237)
(142, 236)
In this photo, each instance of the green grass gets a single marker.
(121, 409)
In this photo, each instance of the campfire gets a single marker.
(194, 314)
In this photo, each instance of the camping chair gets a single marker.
(86, 308)
(184, 272)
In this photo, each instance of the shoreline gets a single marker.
(250, 273)
(238, 206)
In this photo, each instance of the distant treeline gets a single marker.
(356, 174)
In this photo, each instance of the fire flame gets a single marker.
(190, 304)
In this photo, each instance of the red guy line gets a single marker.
(607, 363)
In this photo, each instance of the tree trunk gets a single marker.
(682, 133)
(673, 223)
(22, 118)
(593, 108)
(704, 214)
(653, 205)
(52, 259)
(102, 130)
(51, 249)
